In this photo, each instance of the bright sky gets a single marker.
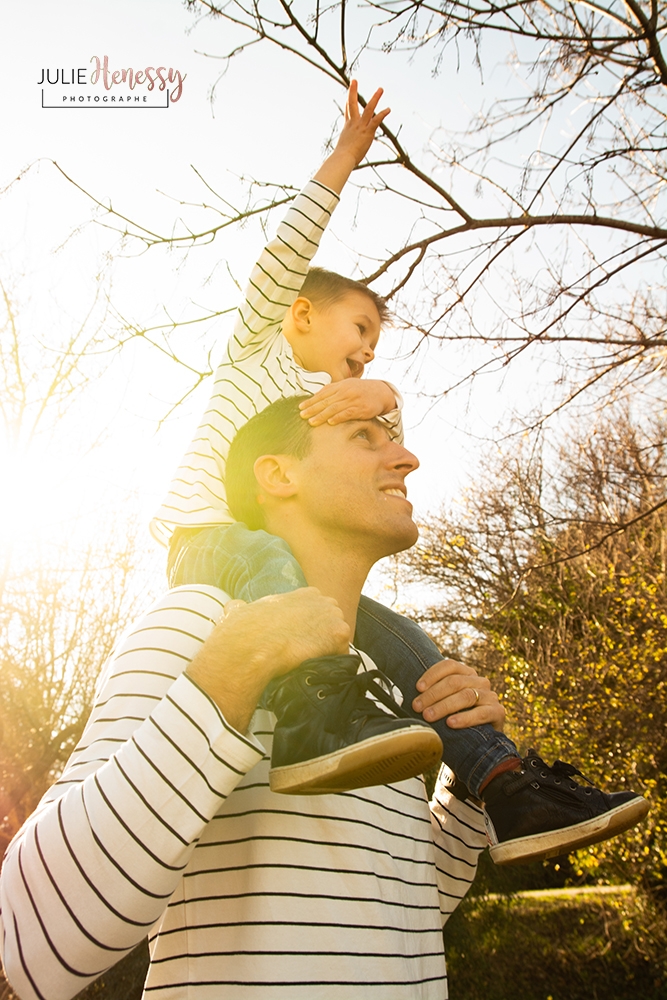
(270, 119)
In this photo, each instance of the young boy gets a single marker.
(302, 331)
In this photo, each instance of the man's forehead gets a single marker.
(326, 434)
(349, 427)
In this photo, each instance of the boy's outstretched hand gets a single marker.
(354, 140)
(350, 399)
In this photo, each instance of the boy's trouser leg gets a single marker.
(245, 564)
(403, 651)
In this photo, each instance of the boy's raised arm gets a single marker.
(355, 140)
(281, 269)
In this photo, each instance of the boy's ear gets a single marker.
(301, 312)
(275, 476)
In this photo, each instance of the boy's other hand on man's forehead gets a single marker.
(349, 399)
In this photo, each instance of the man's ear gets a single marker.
(276, 476)
(301, 312)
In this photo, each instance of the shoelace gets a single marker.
(559, 771)
(342, 693)
(565, 770)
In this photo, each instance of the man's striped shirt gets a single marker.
(258, 367)
(163, 823)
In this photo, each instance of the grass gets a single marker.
(548, 946)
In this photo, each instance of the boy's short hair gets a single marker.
(323, 288)
(278, 430)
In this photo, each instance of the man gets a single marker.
(163, 821)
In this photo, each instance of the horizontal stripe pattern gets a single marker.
(258, 368)
(163, 822)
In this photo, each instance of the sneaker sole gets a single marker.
(380, 760)
(570, 838)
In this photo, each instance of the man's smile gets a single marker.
(394, 491)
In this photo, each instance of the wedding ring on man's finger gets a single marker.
(476, 693)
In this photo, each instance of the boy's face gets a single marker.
(342, 337)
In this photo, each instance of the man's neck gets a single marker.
(335, 567)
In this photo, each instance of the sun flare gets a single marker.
(29, 496)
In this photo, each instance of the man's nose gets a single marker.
(401, 459)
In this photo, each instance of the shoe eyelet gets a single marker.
(533, 763)
(556, 781)
(588, 791)
(573, 788)
(321, 695)
(543, 774)
(308, 680)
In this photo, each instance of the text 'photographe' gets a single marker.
(102, 86)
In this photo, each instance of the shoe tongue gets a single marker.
(367, 665)
(332, 668)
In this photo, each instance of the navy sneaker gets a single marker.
(332, 734)
(540, 812)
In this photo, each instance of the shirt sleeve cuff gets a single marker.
(397, 397)
(243, 751)
(334, 194)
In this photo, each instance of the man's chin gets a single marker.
(404, 539)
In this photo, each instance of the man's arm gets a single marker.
(93, 869)
(269, 637)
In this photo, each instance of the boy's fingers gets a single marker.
(380, 117)
(326, 390)
(352, 105)
(343, 415)
(369, 110)
(315, 409)
(315, 402)
(331, 395)
(334, 414)
(308, 411)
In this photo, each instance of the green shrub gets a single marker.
(586, 947)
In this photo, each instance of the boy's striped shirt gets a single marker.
(163, 823)
(258, 367)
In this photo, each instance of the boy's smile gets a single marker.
(338, 338)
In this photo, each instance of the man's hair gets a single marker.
(323, 288)
(278, 430)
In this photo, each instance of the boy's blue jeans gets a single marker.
(252, 564)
